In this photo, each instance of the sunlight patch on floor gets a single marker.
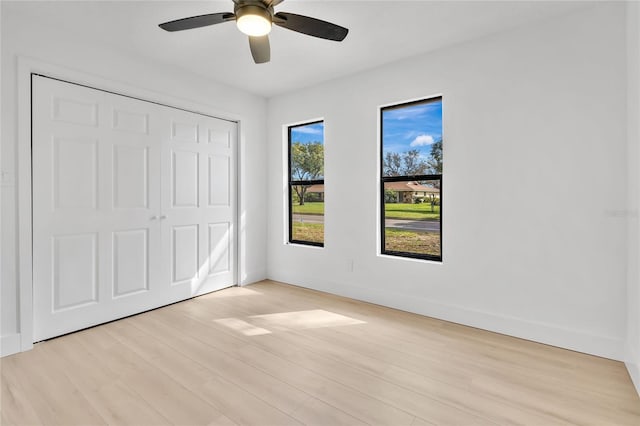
(300, 320)
(242, 326)
(231, 292)
(256, 325)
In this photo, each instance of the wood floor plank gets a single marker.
(316, 412)
(421, 422)
(105, 391)
(304, 380)
(271, 353)
(49, 391)
(174, 402)
(447, 340)
(213, 375)
(415, 328)
(555, 416)
(396, 396)
(412, 385)
(16, 405)
(502, 412)
(406, 369)
(390, 393)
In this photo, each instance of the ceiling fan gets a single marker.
(254, 18)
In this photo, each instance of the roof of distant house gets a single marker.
(393, 186)
(410, 186)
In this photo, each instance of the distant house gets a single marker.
(317, 190)
(409, 192)
(405, 192)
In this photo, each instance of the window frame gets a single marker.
(291, 183)
(384, 179)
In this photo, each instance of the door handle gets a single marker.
(164, 216)
(153, 217)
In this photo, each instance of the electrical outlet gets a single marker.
(6, 178)
(350, 265)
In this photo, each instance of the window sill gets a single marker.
(410, 259)
(311, 246)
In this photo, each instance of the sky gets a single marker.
(308, 133)
(415, 126)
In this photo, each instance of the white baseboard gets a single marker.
(252, 277)
(549, 334)
(9, 344)
(634, 372)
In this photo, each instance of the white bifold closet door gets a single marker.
(134, 205)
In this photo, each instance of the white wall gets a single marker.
(535, 180)
(633, 115)
(42, 42)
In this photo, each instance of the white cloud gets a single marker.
(422, 140)
(411, 112)
(308, 130)
(406, 113)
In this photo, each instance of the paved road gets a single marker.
(308, 218)
(413, 225)
(404, 224)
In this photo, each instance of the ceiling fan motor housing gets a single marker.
(256, 9)
(255, 18)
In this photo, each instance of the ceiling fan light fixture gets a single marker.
(253, 20)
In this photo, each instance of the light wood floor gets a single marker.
(271, 354)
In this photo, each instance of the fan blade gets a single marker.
(267, 3)
(197, 21)
(310, 26)
(260, 49)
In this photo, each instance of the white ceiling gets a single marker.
(380, 32)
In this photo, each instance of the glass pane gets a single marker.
(307, 151)
(307, 224)
(412, 139)
(412, 217)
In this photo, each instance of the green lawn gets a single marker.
(412, 211)
(312, 232)
(393, 210)
(412, 242)
(395, 240)
(309, 208)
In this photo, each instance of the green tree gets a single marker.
(414, 164)
(409, 163)
(392, 164)
(390, 196)
(307, 163)
(435, 158)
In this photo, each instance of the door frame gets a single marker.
(29, 66)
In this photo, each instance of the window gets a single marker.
(411, 179)
(306, 184)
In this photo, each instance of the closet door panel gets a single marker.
(132, 204)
